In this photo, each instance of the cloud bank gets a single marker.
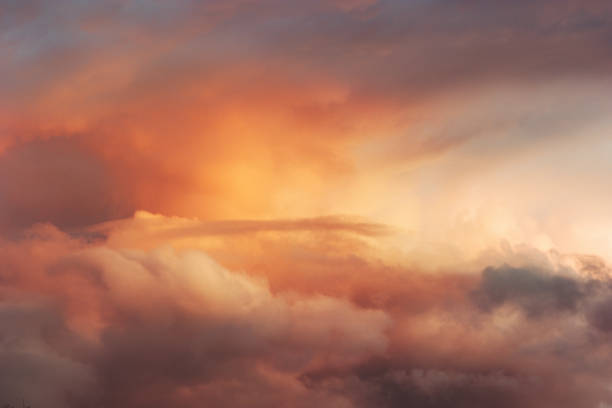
(97, 325)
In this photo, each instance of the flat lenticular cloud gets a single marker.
(334, 203)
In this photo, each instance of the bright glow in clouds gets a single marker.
(347, 203)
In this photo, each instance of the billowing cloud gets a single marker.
(131, 322)
(173, 326)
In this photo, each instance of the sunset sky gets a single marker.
(306, 203)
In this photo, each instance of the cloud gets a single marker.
(600, 314)
(56, 181)
(171, 325)
(535, 291)
(161, 228)
(165, 326)
(234, 131)
(36, 347)
(388, 387)
(255, 110)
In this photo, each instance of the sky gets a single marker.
(298, 203)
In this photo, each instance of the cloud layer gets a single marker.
(100, 326)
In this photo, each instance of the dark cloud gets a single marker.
(535, 291)
(38, 356)
(600, 314)
(395, 383)
(431, 388)
(56, 181)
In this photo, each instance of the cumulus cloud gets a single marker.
(170, 325)
(144, 327)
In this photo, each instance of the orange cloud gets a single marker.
(292, 310)
(335, 203)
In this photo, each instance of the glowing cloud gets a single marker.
(332, 203)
